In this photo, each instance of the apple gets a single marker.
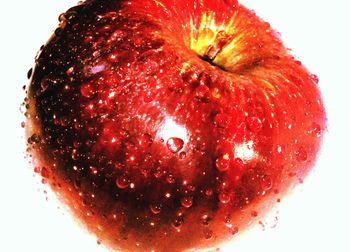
(170, 125)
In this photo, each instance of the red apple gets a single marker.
(170, 125)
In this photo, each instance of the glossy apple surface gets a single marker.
(170, 125)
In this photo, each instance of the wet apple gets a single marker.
(170, 125)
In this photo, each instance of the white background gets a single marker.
(315, 217)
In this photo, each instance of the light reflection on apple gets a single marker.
(245, 151)
(171, 129)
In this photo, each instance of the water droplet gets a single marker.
(208, 234)
(93, 170)
(315, 129)
(156, 208)
(224, 197)
(186, 202)
(209, 192)
(205, 79)
(62, 17)
(87, 90)
(158, 172)
(175, 144)
(45, 83)
(122, 182)
(113, 57)
(30, 72)
(228, 222)
(234, 230)
(150, 66)
(202, 93)
(44, 172)
(266, 183)
(314, 77)
(74, 154)
(301, 154)
(118, 165)
(182, 155)
(223, 162)
(254, 124)
(35, 138)
(118, 34)
(221, 120)
(179, 220)
(205, 219)
(170, 179)
(144, 141)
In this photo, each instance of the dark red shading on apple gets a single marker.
(170, 125)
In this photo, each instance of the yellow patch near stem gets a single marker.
(215, 41)
(227, 43)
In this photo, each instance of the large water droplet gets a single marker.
(223, 163)
(122, 182)
(208, 234)
(224, 197)
(35, 138)
(266, 183)
(156, 208)
(301, 154)
(175, 144)
(87, 90)
(186, 201)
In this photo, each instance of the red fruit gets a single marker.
(182, 119)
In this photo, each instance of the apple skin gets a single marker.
(161, 135)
